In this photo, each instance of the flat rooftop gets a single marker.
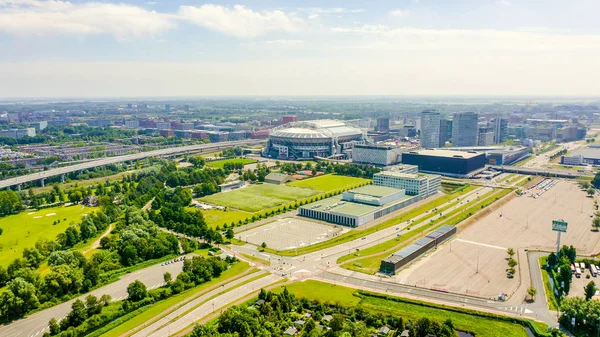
(337, 205)
(591, 153)
(375, 191)
(406, 175)
(446, 153)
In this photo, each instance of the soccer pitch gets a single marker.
(259, 197)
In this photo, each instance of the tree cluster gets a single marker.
(559, 265)
(281, 311)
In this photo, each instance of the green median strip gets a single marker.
(550, 297)
(357, 234)
(256, 259)
(370, 264)
(157, 310)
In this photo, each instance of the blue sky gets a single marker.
(405, 47)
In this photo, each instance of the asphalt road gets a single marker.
(37, 323)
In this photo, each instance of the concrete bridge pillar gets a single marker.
(42, 182)
(62, 178)
(19, 187)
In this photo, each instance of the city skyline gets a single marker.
(182, 48)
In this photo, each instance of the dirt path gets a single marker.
(96, 243)
(148, 205)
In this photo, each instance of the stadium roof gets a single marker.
(336, 205)
(589, 153)
(446, 153)
(375, 191)
(315, 129)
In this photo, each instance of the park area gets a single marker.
(475, 262)
(221, 163)
(259, 197)
(290, 233)
(465, 320)
(23, 230)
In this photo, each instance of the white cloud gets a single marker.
(277, 44)
(240, 21)
(399, 13)
(333, 10)
(504, 2)
(408, 38)
(41, 18)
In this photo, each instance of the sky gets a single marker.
(145, 48)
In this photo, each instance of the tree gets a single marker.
(510, 252)
(512, 262)
(167, 277)
(93, 305)
(531, 291)
(137, 291)
(591, 191)
(264, 245)
(590, 290)
(78, 313)
(54, 327)
(596, 223)
(229, 234)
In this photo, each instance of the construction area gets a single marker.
(475, 262)
(290, 233)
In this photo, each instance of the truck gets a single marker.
(593, 270)
(577, 272)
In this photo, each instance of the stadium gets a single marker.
(309, 139)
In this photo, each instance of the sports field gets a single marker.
(259, 197)
(221, 163)
(24, 229)
(215, 217)
(329, 182)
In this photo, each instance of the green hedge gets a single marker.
(520, 321)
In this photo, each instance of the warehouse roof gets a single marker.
(446, 153)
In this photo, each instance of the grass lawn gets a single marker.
(328, 182)
(550, 297)
(216, 217)
(356, 234)
(23, 230)
(259, 197)
(161, 308)
(450, 187)
(481, 326)
(221, 163)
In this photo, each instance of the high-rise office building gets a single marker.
(464, 129)
(430, 129)
(485, 136)
(167, 107)
(500, 127)
(445, 131)
(383, 124)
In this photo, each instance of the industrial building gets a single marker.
(446, 162)
(18, 133)
(391, 264)
(507, 156)
(379, 155)
(587, 156)
(309, 139)
(367, 203)
(430, 129)
(464, 129)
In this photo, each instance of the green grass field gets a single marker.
(328, 182)
(216, 217)
(221, 163)
(481, 326)
(159, 309)
(259, 197)
(23, 230)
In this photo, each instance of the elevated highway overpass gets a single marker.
(16, 181)
(547, 172)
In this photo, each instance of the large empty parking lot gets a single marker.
(524, 222)
(290, 233)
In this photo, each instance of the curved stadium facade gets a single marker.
(309, 139)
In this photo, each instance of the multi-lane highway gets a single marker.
(119, 159)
